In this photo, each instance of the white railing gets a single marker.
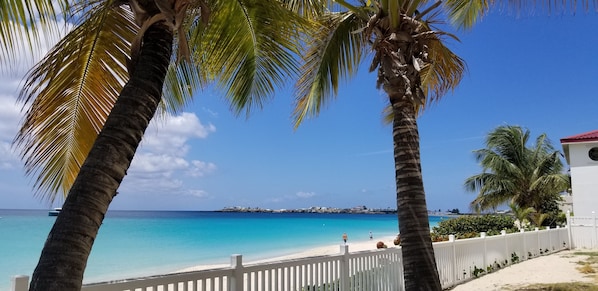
(583, 231)
(376, 270)
(461, 260)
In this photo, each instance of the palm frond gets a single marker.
(443, 73)
(26, 25)
(512, 170)
(182, 81)
(249, 48)
(184, 77)
(465, 13)
(334, 53)
(310, 9)
(521, 213)
(71, 92)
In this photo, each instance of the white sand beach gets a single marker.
(559, 267)
(319, 251)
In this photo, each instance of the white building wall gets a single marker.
(584, 179)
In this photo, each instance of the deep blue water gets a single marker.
(135, 243)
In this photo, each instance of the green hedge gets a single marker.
(472, 226)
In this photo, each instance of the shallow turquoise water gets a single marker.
(135, 243)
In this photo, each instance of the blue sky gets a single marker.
(539, 72)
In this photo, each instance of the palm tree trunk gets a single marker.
(419, 264)
(67, 248)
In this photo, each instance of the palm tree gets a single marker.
(414, 68)
(91, 100)
(515, 173)
(522, 215)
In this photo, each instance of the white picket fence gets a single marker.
(376, 270)
(583, 231)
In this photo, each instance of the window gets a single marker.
(593, 154)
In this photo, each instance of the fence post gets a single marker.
(550, 246)
(524, 255)
(504, 235)
(344, 268)
(484, 263)
(19, 283)
(569, 229)
(558, 243)
(236, 281)
(454, 248)
(537, 230)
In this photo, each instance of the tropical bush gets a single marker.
(472, 226)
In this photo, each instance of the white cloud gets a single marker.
(10, 115)
(12, 73)
(10, 85)
(161, 164)
(169, 134)
(200, 169)
(145, 162)
(197, 193)
(8, 160)
(304, 195)
(25, 56)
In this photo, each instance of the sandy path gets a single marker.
(555, 268)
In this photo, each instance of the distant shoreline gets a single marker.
(266, 210)
(354, 210)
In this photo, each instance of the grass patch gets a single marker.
(560, 287)
(589, 264)
(586, 269)
(591, 254)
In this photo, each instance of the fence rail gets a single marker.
(376, 270)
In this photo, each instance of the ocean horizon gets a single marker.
(142, 243)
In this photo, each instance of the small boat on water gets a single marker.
(54, 212)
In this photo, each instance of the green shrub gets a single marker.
(472, 226)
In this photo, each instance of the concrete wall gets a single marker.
(584, 179)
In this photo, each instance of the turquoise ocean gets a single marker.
(139, 243)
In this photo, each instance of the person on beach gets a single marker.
(345, 237)
(371, 236)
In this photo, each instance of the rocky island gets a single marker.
(314, 209)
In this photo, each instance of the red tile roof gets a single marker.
(583, 137)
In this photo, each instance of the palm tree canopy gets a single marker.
(337, 47)
(246, 47)
(344, 37)
(26, 25)
(515, 172)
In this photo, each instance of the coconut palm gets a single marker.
(514, 172)
(414, 68)
(93, 95)
(522, 215)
